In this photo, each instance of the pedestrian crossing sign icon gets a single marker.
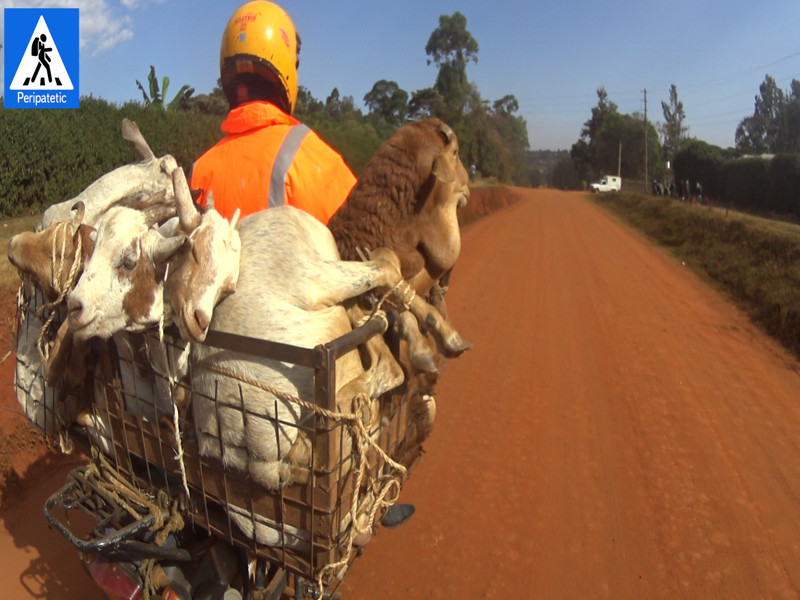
(41, 58)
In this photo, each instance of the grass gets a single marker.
(751, 259)
(9, 279)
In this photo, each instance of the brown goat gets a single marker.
(406, 200)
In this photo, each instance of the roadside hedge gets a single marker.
(48, 156)
(765, 185)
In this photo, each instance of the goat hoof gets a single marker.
(456, 345)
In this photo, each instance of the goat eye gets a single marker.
(128, 263)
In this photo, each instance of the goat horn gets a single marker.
(210, 200)
(187, 213)
(158, 213)
(130, 132)
(445, 130)
(235, 219)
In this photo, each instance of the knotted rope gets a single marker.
(57, 261)
(167, 519)
(363, 442)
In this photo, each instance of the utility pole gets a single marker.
(645, 140)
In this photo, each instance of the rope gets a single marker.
(167, 518)
(363, 442)
(58, 268)
(402, 293)
(176, 422)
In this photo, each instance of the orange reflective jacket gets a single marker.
(268, 158)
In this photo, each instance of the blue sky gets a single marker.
(551, 55)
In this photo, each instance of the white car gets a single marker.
(609, 183)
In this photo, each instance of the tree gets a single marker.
(563, 175)
(508, 134)
(759, 133)
(597, 151)
(425, 103)
(388, 101)
(450, 47)
(599, 113)
(156, 97)
(214, 103)
(699, 161)
(673, 131)
(506, 105)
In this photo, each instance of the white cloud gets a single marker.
(103, 24)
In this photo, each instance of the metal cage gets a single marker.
(310, 523)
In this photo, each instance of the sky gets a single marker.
(551, 55)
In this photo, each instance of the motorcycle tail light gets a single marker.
(118, 580)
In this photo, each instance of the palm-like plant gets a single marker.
(156, 96)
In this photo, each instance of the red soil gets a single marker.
(617, 431)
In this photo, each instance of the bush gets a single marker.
(48, 156)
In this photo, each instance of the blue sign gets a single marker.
(41, 58)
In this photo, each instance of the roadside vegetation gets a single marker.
(48, 156)
(752, 260)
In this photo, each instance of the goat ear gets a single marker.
(443, 169)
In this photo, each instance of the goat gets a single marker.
(122, 283)
(290, 270)
(127, 185)
(49, 255)
(206, 268)
(406, 200)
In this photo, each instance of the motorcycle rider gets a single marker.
(267, 157)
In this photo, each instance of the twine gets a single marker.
(58, 269)
(167, 519)
(363, 442)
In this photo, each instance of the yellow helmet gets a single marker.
(260, 39)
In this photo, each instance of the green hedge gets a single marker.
(48, 156)
(762, 185)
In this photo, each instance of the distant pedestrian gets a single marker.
(699, 193)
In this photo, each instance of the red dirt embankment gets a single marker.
(617, 431)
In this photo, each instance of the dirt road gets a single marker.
(617, 431)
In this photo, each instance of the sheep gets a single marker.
(406, 199)
(290, 270)
(126, 185)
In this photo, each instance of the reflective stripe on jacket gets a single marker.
(268, 158)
